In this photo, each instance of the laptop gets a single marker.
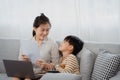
(21, 69)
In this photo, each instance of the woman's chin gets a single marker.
(42, 38)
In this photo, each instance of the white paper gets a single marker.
(30, 49)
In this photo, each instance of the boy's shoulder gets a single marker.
(72, 56)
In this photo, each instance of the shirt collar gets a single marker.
(44, 41)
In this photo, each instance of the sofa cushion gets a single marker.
(61, 76)
(9, 49)
(3, 76)
(86, 63)
(2, 69)
(116, 77)
(106, 65)
(119, 68)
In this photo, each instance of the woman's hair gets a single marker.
(42, 19)
(75, 42)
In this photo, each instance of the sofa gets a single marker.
(96, 61)
(9, 49)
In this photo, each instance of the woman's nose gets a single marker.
(45, 32)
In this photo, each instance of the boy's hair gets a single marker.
(75, 42)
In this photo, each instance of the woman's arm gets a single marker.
(55, 53)
(23, 57)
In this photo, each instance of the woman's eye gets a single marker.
(47, 30)
(42, 30)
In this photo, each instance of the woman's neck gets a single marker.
(39, 41)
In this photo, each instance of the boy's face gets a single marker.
(65, 46)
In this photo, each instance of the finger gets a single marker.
(49, 67)
(25, 58)
(41, 61)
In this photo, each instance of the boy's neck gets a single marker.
(65, 54)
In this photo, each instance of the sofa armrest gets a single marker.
(116, 77)
(60, 76)
(3, 76)
(2, 69)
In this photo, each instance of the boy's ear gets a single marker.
(70, 47)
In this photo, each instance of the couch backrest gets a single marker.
(94, 46)
(9, 49)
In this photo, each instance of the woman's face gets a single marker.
(42, 31)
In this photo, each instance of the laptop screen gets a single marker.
(21, 69)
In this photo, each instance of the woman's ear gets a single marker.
(34, 28)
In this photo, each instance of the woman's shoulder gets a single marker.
(50, 40)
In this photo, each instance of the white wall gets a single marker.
(91, 20)
(99, 19)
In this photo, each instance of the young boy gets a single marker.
(70, 48)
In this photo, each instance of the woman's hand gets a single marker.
(24, 57)
(49, 66)
(40, 62)
(45, 65)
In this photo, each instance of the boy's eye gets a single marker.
(47, 29)
(64, 41)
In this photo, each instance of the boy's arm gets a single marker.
(69, 66)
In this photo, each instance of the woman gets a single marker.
(47, 47)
